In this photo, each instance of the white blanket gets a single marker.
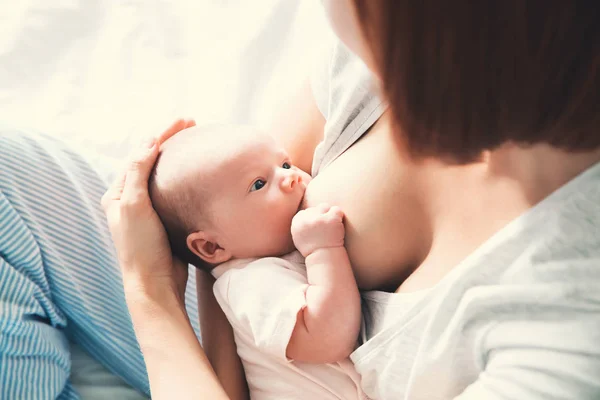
(101, 73)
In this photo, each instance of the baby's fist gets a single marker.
(317, 228)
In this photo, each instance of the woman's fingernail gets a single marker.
(148, 143)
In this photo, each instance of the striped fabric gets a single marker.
(59, 280)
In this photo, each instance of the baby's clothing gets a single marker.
(261, 299)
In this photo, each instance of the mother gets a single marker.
(475, 195)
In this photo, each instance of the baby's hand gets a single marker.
(318, 228)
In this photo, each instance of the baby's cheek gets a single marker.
(281, 226)
(282, 233)
(277, 215)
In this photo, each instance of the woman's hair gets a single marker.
(465, 76)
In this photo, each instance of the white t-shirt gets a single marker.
(518, 319)
(261, 299)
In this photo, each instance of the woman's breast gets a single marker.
(371, 184)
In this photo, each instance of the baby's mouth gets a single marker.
(302, 204)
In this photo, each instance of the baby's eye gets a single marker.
(286, 165)
(259, 184)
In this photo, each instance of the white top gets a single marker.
(518, 319)
(261, 299)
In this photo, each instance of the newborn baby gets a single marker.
(230, 200)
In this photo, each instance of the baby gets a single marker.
(230, 199)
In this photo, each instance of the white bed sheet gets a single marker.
(102, 73)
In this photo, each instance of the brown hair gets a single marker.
(175, 218)
(179, 203)
(465, 76)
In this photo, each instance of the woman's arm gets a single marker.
(177, 366)
(218, 341)
(154, 284)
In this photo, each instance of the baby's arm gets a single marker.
(327, 327)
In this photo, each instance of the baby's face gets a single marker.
(257, 193)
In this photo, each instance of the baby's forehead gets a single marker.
(244, 142)
(202, 152)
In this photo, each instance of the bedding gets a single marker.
(101, 73)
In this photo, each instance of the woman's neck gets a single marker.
(467, 204)
(538, 170)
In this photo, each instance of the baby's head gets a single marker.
(226, 192)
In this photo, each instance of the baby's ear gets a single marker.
(201, 244)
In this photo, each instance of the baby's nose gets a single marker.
(290, 181)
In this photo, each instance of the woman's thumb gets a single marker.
(138, 172)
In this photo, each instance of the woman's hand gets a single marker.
(142, 246)
(155, 284)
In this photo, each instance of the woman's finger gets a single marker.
(135, 186)
(114, 191)
(190, 123)
(175, 127)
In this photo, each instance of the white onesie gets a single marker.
(261, 299)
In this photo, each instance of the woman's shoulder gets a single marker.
(555, 242)
(544, 266)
